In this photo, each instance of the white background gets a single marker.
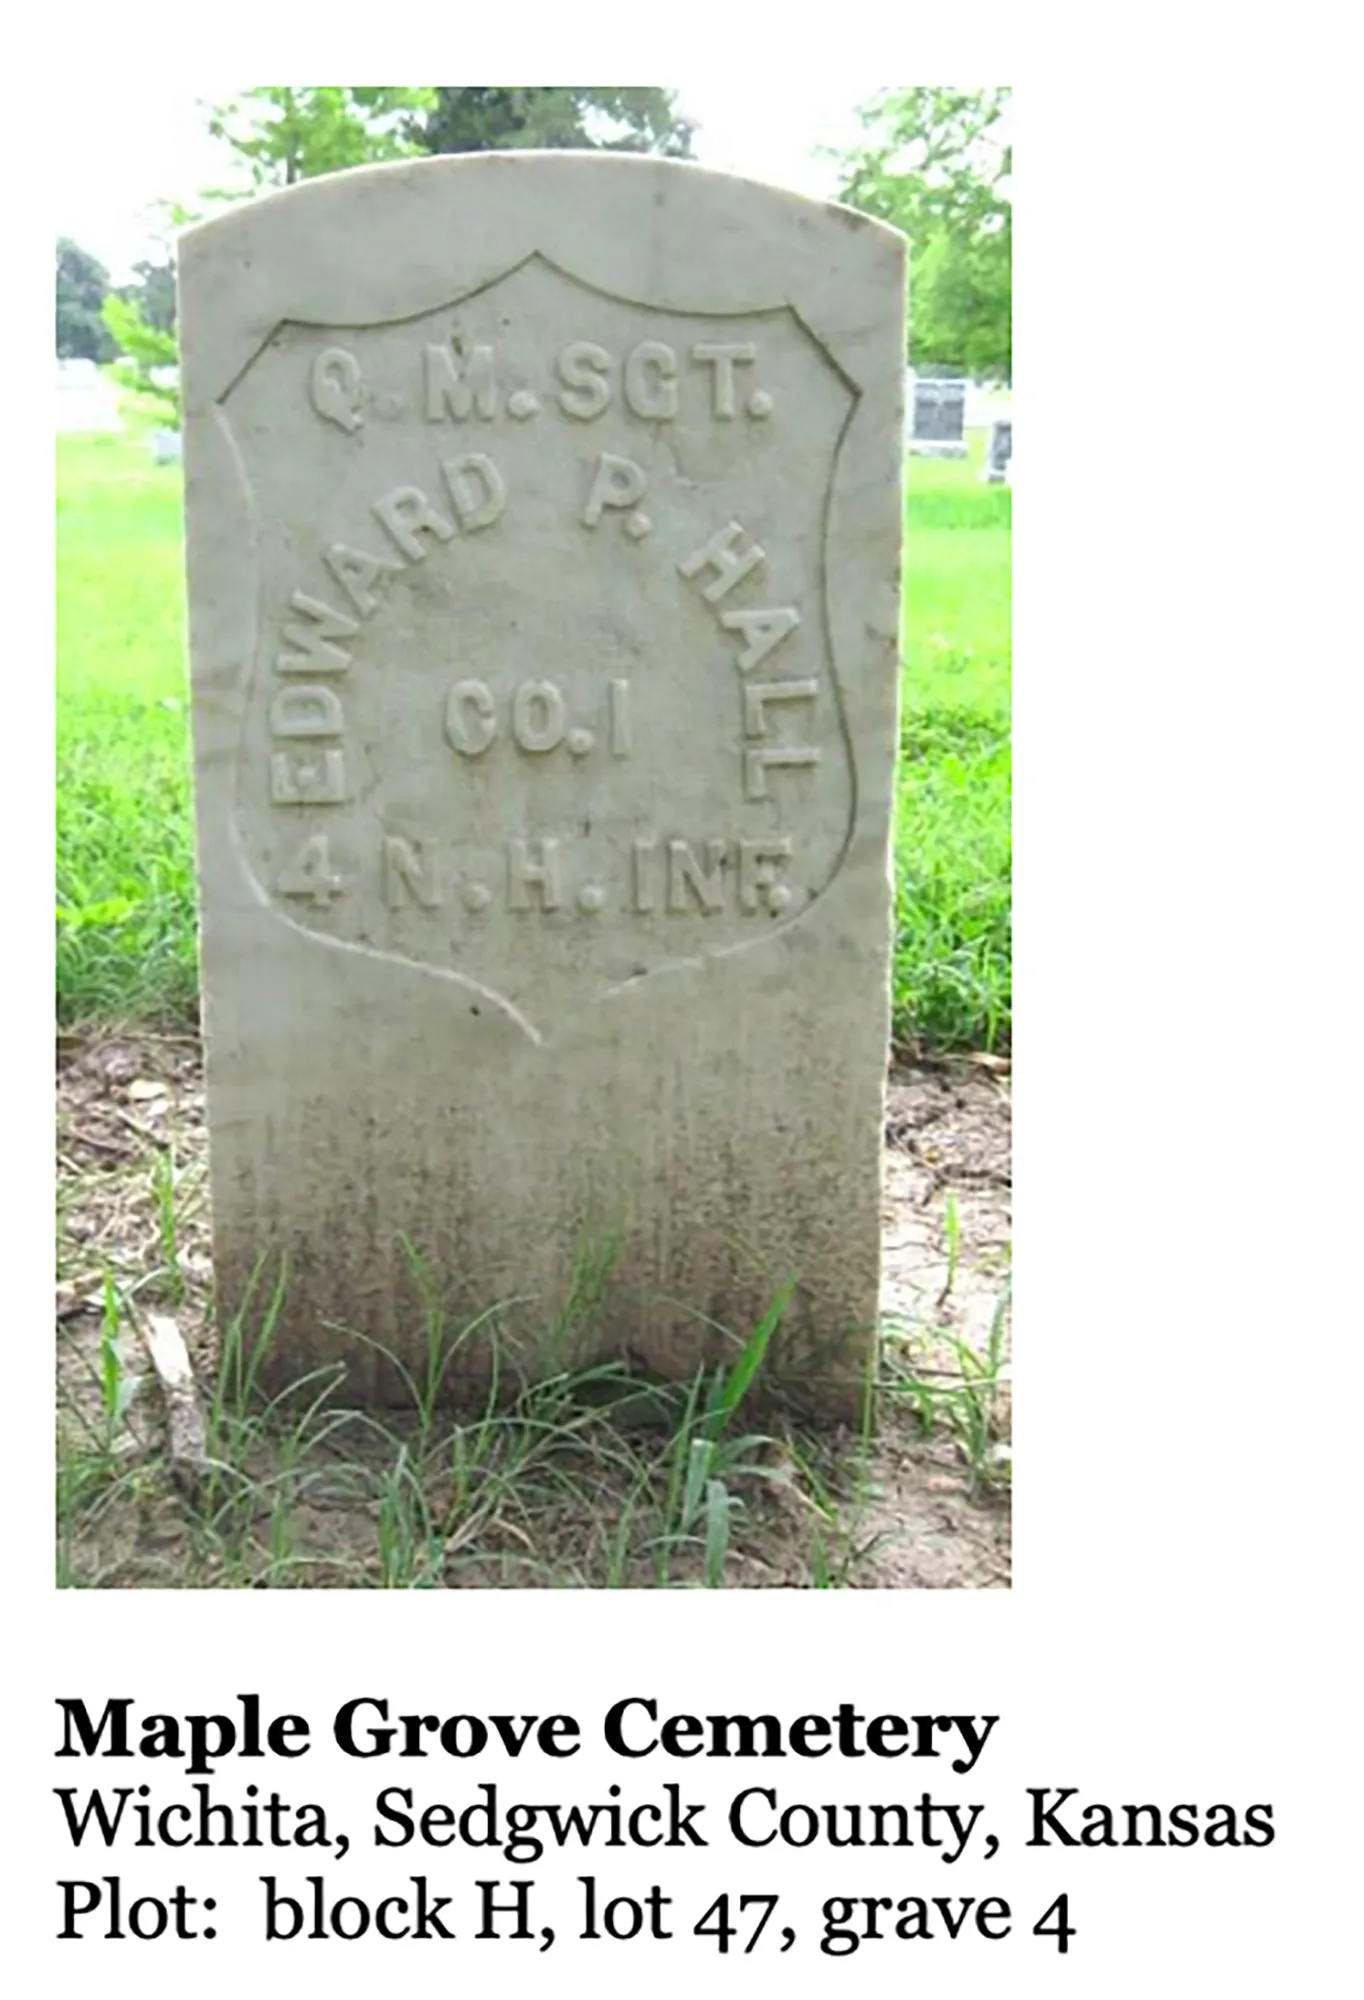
(1187, 1301)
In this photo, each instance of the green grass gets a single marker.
(952, 844)
(125, 873)
(545, 1484)
(125, 862)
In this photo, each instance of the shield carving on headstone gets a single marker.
(543, 701)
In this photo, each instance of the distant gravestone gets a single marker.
(543, 520)
(167, 447)
(939, 417)
(87, 403)
(1000, 451)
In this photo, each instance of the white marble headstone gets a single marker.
(544, 527)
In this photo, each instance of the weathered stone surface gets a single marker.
(544, 521)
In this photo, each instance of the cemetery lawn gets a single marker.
(952, 983)
(125, 861)
(125, 855)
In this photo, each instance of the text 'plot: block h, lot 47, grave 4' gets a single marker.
(544, 522)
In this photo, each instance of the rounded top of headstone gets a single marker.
(631, 177)
(408, 236)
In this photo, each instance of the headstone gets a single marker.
(939, 417)
(167, 448)
(1000, 451)
(87, 403)
(544, 520)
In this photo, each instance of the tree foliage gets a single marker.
(938, 163)
(82, 287)
(630, 118)
(144, 348)
(284, 133)
(153, 293)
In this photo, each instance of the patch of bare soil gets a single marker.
(947, 1216)
(920, 1507)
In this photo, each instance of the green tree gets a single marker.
(153, 293)
(144, 347)
(938, 163)
(628, 118)
(82, 287)
(284, 133)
